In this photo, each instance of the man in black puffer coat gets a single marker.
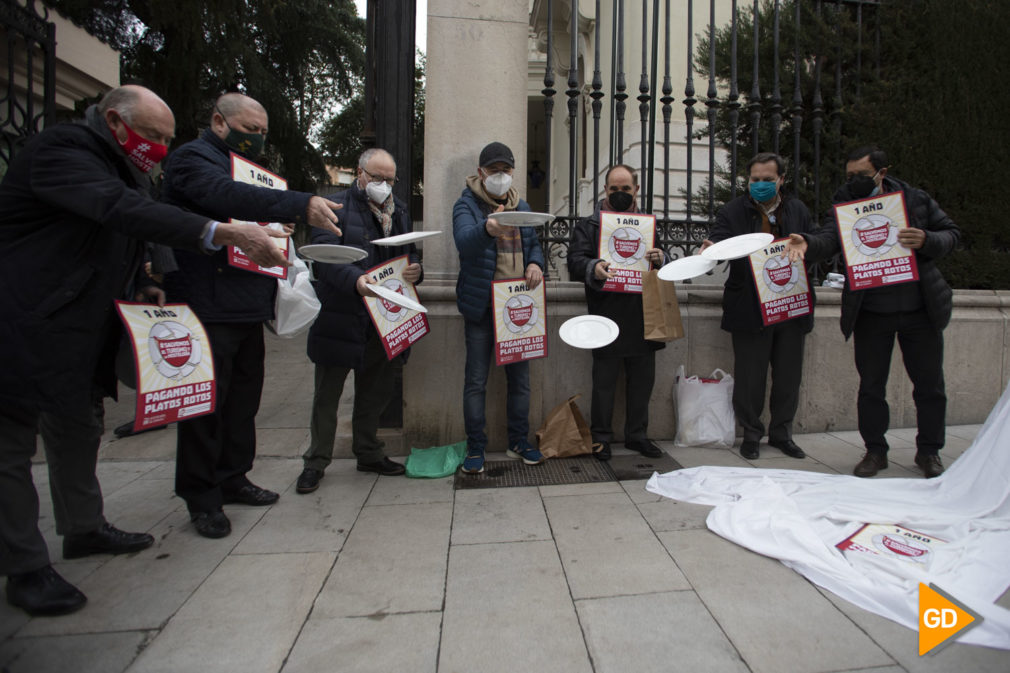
(343, 338)
(756, 346)
(214, 452)
(915, 313)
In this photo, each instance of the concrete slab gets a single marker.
(488, 515)
(673, 515)
(142, 590)
(282, 442)
(772, 615)
(963, 431)
(393, 561)
(154, 445)
(115, 475)
(404, 491)
(142, 504)
(92, 653)
(608, 549)
(561, 490)
(243, 618)
(404, 642)
(655, 632)
(501, 602)
(903, 645)
(317, 521)
(697, 456)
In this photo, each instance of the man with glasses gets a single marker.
(489, 251)
(914, 312)
(343, 337)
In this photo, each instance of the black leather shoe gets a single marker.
(251, 494)
(308, 480)
(789, 448)
(211, 524)
(646, 447)
(930, 464)
(872, 462)
(750, 449)
(387, 467)
(44, 592)
(604, 452)
(106, 540)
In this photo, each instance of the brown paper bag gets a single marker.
(565, 432)
(660, 310)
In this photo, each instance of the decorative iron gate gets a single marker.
(807, 57)
(30, 45)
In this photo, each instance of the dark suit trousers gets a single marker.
(71, 440)
(781, 346)
(214, 452)
(922, 352)
(639, 377)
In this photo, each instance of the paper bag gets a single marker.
(565, 432)
(660, 310)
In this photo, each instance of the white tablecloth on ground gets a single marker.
(799, 517)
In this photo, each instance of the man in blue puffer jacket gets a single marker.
(489, 251)
(343, 337)
(214, 452)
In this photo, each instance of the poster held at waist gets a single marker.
(520, 321)
(624, 238)
(398, 327)
(173, 361)
(783, 287)
(243, 170)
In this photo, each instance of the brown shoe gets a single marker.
(930, 464)
(872, 462)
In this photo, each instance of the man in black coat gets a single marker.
(215, 451)
(630, 348)
(74, 211)
(764, 208)
(914, 312)
(343, 338)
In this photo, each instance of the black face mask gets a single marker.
(620, 201)
(861, 186)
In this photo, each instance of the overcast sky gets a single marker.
(421, 21)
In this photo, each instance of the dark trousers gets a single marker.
(214, 452)
(781, 347)
(373, 390)
(922, 353)
(639, 378)
(71, 440)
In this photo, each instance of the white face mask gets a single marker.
(378, 191)
(497, 184)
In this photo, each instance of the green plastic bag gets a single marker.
(436, 461)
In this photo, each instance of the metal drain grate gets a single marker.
(509, 473)
(630, 467)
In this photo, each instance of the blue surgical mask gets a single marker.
(762, 191)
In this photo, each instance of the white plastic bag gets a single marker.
(704, 410)
(297, 305)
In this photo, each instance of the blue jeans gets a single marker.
(479, 351)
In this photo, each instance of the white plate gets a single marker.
(332, 254)
(402, 239)
(518, 218)
(396, 298)
(588, 331)
(737, 246)
(686, 267)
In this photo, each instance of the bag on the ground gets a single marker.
(565, 432)
(436, 461)
(297, 305)
(704, 410)
(660, 310)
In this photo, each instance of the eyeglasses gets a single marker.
(378, 178)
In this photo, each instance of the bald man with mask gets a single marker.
(74, 212)
(215, 452)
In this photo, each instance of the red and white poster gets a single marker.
(520, 323)
(243, 170)
(783, 288)
(868, 229)
(624, 239)
(398, 327)
(173, 361)
(892, 541)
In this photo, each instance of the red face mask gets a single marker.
(142, 152)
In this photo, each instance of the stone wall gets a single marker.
(975, 362)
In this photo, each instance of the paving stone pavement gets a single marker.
(389, 574)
